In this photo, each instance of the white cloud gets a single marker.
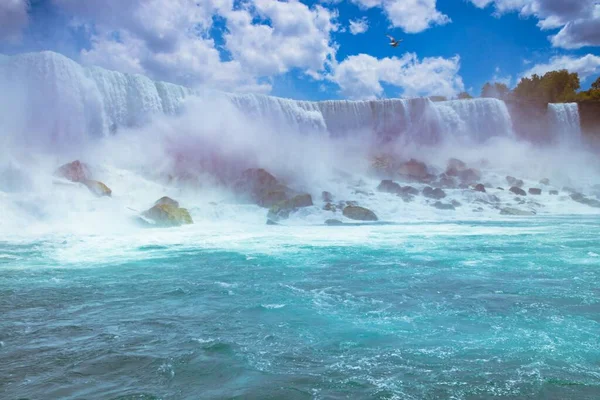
(498, 77)
(578, 20)
(585, 66)
(358, 26)
(362, 76)
(413, 16)
(295, 36)
(13, 18)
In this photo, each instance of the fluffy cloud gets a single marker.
(13, 18)
(362, 76)
(413, 16)
(359, 26)
(585, 66)
(578, 20)
(290, 35)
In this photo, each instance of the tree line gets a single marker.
(553, 87)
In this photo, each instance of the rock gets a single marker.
(443, 206)
(284, 208)
(262, 188)
(463, 185)
(327, 197)
(410, 190)
(330, 207)
(456, 164)
(535, 191)
(554, 192)
(167, 200)
(415, 170)
(383, 164)
(545, 182)
(389, 186)
(75, 171)
(515, 211)
(456, 203)
(446, 181)
(512, 181)
(569, 190)
(500, 188)
(359, 213)
(480, 188)
(98, 188)
(271, 222)
(431, 193)
(493, 198)
(469, 175)
(333, 222)
(578, 197)
(167, 215)
(518, 191)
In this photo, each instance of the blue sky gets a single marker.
(309, 49)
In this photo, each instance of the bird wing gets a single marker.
(391, 38)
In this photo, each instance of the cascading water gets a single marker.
(565, 122)
(79, 102)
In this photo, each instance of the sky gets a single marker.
(316, 49)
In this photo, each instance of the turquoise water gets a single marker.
(470, 310)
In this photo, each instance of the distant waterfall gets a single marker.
(565, 124)
(59, 100)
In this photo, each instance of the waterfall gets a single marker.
(58, 100)
(565, 123)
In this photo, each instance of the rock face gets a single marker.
(75, 171)
(168, 215)
(535, 191)
(284, 208)
(98, 188)
(515, 211)
(431, 193)
(479, 188)
(359, 213)
(518, 191)
(578, 197)
(415, 170)
(512, 181)
(333, 222)
(262, 188)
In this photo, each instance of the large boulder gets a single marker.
(389, 186)
(167, 215)
(284, 208)
(479, 188)
(454, 164)
(518, 191)
(432, 193)
(443, 206)
(75, 171)
(333, 222)
(415, 170)
(515, 211)
(469, 175)
(535, 191)
(553, 193)
(578, 197)
(359, 213)
(512, 181)
(445, 181)
(262, 188)
(98, 188)
(168, 201)
(545, 182)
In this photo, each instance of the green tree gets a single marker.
(553, 87)
(464, 95)
(497, 90)
(596, 84)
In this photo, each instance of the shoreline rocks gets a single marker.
(165, 214)
(358, 213)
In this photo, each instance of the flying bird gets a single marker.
(394, 42)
